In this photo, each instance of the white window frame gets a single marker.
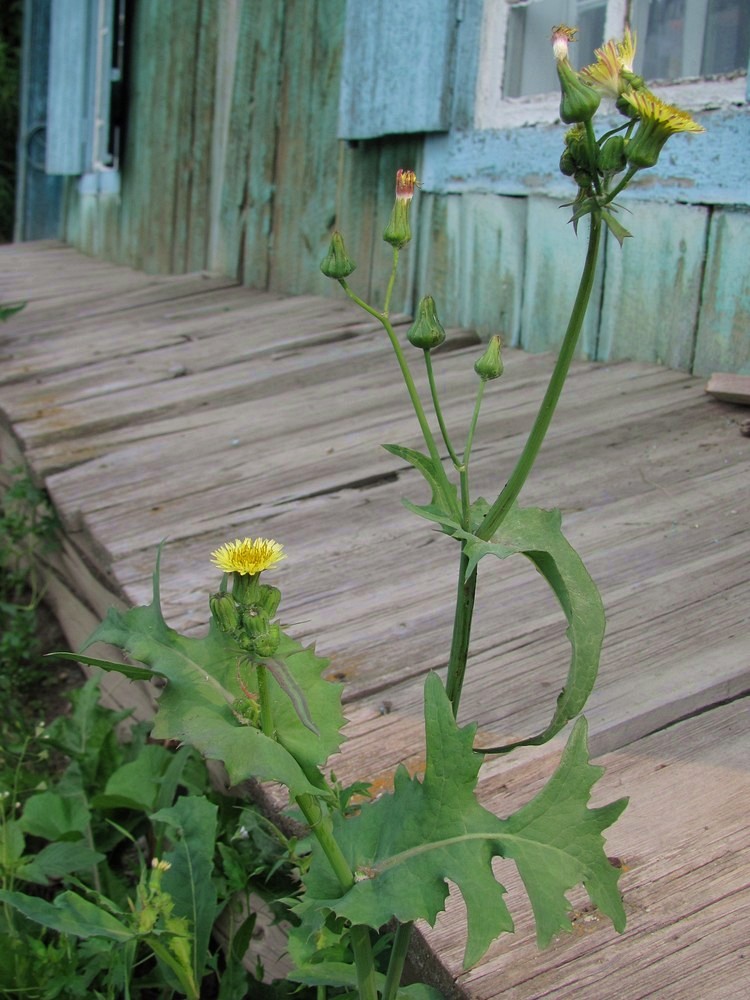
(493, 111)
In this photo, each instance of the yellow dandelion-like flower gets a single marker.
(247, 556)
(613, 66)
(658, 121)
(649, 107)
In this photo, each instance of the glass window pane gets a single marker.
(688, 38)
(529, 66)
(727, 39)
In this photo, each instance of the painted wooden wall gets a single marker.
(232, 164)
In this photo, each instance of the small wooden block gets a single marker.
(731, 388)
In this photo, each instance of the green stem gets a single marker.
(464, 468)
(391, 282)
(593, 146)
(465, 596)
(438, 411)
(513, 487)
(410, 387)
(321, 826)
(622, 184)
(399, 951)
(266, 718)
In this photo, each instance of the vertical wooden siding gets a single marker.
(232, 163)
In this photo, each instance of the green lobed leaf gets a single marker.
(196, 705)
(404, 846)
(537, 534)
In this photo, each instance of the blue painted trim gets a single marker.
(710, 169)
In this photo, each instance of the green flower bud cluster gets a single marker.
(249, 622)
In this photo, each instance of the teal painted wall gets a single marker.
(232, 163)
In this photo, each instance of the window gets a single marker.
(677, 40)
(85, 79)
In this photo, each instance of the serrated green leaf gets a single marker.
(537, 534)
(443, 506)
(404, 846)
(196, 705)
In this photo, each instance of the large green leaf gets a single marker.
(404, 846)
(196, 705)
(537, 534)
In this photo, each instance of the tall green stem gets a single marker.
(438, 410)
(321, 826)
(411, 388)
(399, 951)
(466, 593)
(507, 498)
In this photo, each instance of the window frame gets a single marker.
(492, 110)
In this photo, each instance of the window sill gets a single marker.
(542, 109)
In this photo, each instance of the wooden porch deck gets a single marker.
(190, 409)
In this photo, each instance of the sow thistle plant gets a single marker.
(250, 695)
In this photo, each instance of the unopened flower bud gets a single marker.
(267, 642)
(337, 263)
(490, 365)
(427, 331)
(398, 230)
(263, 636)
(269, 599)
(612, 156)
(224, 612)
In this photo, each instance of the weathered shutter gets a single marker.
(80, 77)
(397, 70)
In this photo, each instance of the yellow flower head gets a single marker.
(658, 121)
(613, 67)
(669, 119)
(247, 556)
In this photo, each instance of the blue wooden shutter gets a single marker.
(397, 72)
(80, 78)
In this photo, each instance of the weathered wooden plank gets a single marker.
(471, 254)
(365, 195)
(730, 388)
(653, 504)
(248, 187)
(307, 150)
(686, 895)
(553, 265)
(652, 286)
(723, 343)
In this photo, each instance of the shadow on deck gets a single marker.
(193, 410)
